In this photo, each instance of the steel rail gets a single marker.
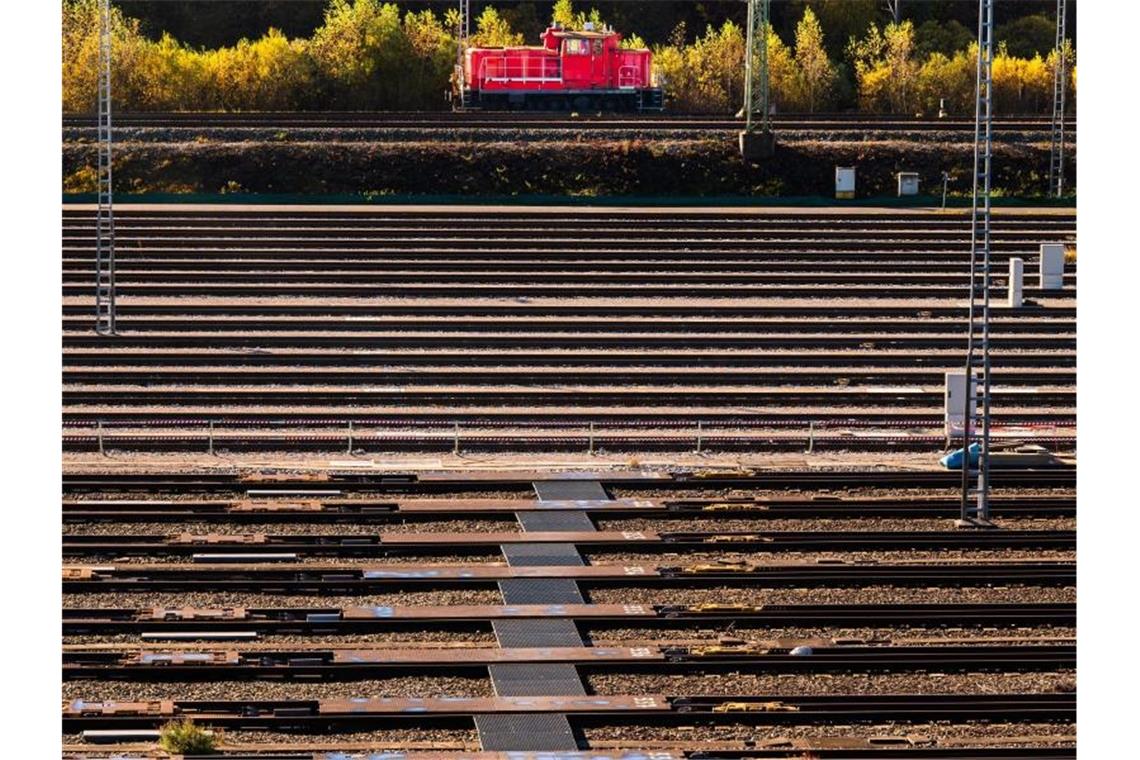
(410, 482)
(597, 710)
(337, 620)
(380, 357)
(354, 579)
(825, 656)
(389, 544)
(377, 511)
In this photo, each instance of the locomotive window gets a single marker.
(576, 47)
(597, 47)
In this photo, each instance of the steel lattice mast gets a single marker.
(1060, 76)
(463, 34)
(105, 215)
(756, 66)
(976, 419)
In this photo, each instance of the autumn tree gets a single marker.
(359, 53)
(815, 71)
(565, 15)
(492, 30)
(886, 71)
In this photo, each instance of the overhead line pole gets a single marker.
(757, 143)
(975, 507)
(105, 213)
(1060, 83)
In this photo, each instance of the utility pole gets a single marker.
(975, 507)
(1060, 82)
(757, 140)
(463, 35)
(462, 38)
(105, 215)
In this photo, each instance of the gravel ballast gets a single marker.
(290, 528)
(886, 595)
(885, 524)
(977, 734)
(738, 684)
(417, 686)
(441, 597)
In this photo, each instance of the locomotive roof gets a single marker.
(581, 34)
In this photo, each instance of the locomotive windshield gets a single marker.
(576, 47)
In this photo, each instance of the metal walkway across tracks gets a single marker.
(539, 731)
(570, 490)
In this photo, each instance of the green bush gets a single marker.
(184, 737)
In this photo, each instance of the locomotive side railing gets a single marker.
(629, 78)
(520, 69)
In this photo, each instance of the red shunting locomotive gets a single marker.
(573, 70)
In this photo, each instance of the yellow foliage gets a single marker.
(366, 56)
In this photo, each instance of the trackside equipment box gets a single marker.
(908, 183)
(845, 182)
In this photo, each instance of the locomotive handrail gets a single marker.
(510, 69)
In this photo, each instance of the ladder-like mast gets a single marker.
(975, 508)
(105, 214)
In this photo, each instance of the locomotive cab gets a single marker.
(571, 70)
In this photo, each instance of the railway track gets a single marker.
(777, 656)
(424, 652)
(189, 623)
(287, 547)
(281, 328)
(483, 125)
(332, 578)
(335, 482)
(381, 511)
(780, 747)
(646, 709)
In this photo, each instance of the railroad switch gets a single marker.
(744, 472)
(71, 573)
(248, 505)
(728, 538)
(724, 566)
(80, 708)
(194, 613)
(281, 477)
(215, 538)
(744, 506)
(730, 651)
(734, 707)
(205, 659)
(708, 608)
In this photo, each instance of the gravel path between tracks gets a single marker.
(978, 733)
(802, 525)
(915, 494)
(867, 595)
(692, 684)
(618, 595)
(389, 738)
(506, 524)
(493, 556)
(509, 524)
(524, 492)
(212, 599)
(408, 638)
(917, 555)
(417, 686)
(745, 631)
